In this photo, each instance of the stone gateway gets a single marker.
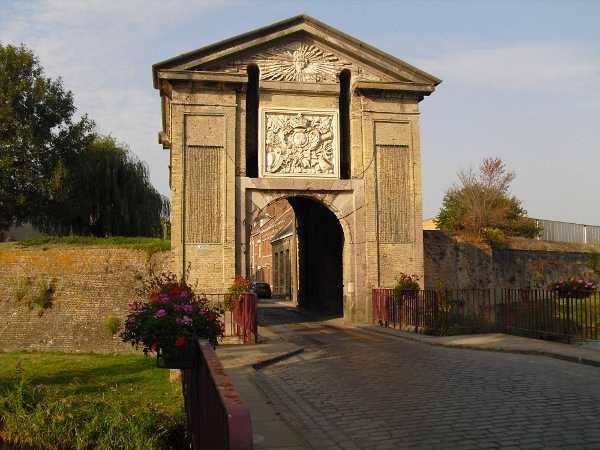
(303, 112)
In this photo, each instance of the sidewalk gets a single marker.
(271, 430)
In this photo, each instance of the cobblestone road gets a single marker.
(352, 389)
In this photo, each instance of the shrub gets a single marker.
(43, 295)
(495, 237)
(22, 288)
(481, 204)
(112, 324)
(239, 287)
(405, 282)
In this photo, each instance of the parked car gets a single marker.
(263, 290)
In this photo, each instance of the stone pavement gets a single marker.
(269, 428)
(335, 385)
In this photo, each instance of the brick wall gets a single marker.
(524, 263)
(90, 285)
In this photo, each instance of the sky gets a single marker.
(521, 79)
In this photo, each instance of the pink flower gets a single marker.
(162, 298)
(185, 320)
(160, 313)
(185, 308)
(134, 306)
(154, 347)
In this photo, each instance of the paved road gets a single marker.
(352, 389)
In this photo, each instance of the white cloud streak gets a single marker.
(539, 67)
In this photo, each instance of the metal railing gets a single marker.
(242, 321)
(217, 416)
(537, 313)
(245, 318)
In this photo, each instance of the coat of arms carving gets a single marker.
(300, 143)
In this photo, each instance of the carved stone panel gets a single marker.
(203, 160)
(295, 61)
(299, 143)
(395, 216)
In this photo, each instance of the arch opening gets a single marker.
(320, 248)
(296, 245)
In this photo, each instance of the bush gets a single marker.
(239, 287)
(481, 206)
(405, 282)
(22, 288)
(43, 295)
(495, 237)
(112, 324)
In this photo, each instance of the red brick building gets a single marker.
(269, 223)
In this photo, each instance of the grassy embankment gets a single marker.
(63, 400)
(135, 243)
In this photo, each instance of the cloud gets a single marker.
(81, 38)
(539, 67)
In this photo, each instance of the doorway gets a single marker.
(320, 247)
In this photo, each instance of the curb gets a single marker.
(431, 341)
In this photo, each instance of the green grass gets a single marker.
(136, 243)
(551, 316)
(63, 400)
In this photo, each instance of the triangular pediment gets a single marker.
(298, 49)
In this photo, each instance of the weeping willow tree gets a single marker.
(110, 195)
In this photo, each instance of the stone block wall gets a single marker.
(89, 285)
(523, 263)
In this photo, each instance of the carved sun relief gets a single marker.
(298, 62)
(295, 61)
(300, 143)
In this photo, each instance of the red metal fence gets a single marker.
(535, 313)
(243, 319)
(217, 416)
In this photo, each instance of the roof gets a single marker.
(289, 29)
(285, 232)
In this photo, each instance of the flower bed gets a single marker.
(573, 288)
